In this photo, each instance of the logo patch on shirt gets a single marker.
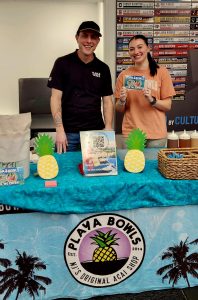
(96, 74)
(151, 84)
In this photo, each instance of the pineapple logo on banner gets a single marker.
(104, 249)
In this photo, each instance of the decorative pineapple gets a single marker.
(134, 160)
(47, 166)
(104, 252)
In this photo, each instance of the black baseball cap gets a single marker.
(89, 25)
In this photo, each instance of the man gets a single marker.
(79, 81)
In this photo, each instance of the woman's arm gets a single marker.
(163, 105)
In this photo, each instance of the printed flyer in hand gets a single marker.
(134, 82)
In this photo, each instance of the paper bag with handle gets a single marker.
(15, 141)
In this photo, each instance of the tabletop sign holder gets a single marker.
(98, 153)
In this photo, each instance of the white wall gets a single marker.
(33, 33)
(110, 36)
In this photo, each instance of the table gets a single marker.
(143, 215)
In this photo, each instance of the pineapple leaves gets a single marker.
(100, 233)
(44, 145)
(99, 242)
(136, 140)
(104, 239)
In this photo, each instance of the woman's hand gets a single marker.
(123, 94)
(147, 94)
(120, 102)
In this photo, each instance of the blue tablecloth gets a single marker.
(76, 193)
(127, 205)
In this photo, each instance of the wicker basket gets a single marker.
(179, 168)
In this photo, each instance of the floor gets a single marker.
(146, 296)
(185, 294)
(155, 295)
(172, 294)
(192, 293)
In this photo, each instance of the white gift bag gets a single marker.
(15, 141)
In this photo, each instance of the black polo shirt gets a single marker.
(82, 85)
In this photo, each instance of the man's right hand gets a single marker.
(61, 141)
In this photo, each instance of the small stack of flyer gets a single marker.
(98, 152)
(134, 82)
(11, 176)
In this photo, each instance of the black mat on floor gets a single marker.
(171, 294)
(153, 295)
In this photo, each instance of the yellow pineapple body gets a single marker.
(104, 254)
(134, 161)
(47, 167)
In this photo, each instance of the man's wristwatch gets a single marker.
(153, 102)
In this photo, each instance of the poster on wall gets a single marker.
(172, 32)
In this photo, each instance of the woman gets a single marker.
(145, 103)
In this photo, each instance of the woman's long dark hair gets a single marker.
(153, 66)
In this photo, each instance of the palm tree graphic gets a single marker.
(3, 261)
(23, 279)
(182, 264)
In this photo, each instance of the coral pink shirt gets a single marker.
(138, 111)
